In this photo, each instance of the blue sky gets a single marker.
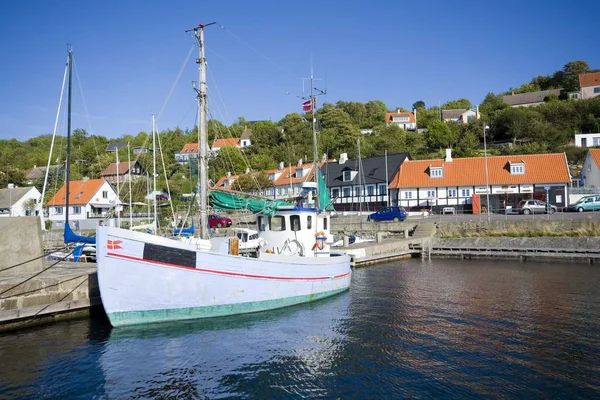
(128, 54)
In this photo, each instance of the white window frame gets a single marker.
(465, 192)
(517, 169)
(347, 176)
(431, 193)
(407, 195)
(437, 172)
(452, 193)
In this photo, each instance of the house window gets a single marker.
(347, 176)
(437, 172)
(431, 193)
(347, 192)
(408, 195)
(76, 209)
(383, 190)
(58, 210)
(105, 194)
(271, 177)
(574, 97)
(596, 141)
(597, 90)
(357, 191)
(451, 192)
(517, 169)
(277, 223)
(335, 193)
(583, 142)
(466, 192)
(371, 190)
(299, 173)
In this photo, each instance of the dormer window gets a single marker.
(347, 176)
(517, 168)
(299, 173)
(436, 172)
(271, 177)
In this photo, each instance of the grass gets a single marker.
(516, 231)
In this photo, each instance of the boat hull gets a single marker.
(147, 279)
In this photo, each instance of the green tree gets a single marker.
(457, 104)
(441, 134)
(251, 182)
(418, 104)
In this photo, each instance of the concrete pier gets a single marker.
(64, 290)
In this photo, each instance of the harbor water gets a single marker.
(418, 329)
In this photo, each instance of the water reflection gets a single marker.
(219, 356)
(439, 329)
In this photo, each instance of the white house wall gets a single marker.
(591, 172)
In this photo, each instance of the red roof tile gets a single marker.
(539, 168)
(590, 79)
(190, 148)
(218, 143)
(390, 116)
(80, 192)
(596, 156)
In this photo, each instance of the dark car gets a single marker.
(217, 221)
(388, 214)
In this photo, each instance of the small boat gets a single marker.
(145, 278)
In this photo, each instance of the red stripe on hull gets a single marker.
(211, 271)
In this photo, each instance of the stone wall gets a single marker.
(20, 240)
(466, 228)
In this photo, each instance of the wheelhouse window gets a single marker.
(325, 223)
(295, 222)
(261, 223)
(309, 222)
(277, 223)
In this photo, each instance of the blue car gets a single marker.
(395, 214)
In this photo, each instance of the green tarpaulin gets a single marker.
(324, 198)
(235, 201)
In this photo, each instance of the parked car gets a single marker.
(217, 221)
(535, 207)
(388, 214)
(586, 203)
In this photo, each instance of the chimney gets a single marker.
(228, 174)
(448, 155)
(512, 93)
(85, 178)
(300, 162)
(324, 158)
(343, 158)
(281, 166)
(34, 166)
(247, 171)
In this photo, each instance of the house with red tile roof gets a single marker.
(590, 174)
(590, 85)
(88, 198)
(218, 143)
(449, 182)
(123, 172)
(287, 181)
(403, 119)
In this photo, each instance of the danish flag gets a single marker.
(114, 244)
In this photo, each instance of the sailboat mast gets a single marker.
(314, 129)
(68, 160)
(154, 174)
(202, 131)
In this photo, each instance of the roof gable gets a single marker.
(595, 153)
(8, 197)
(374, 170)
(529, 98)
(123, 168)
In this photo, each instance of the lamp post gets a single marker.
(487, 183)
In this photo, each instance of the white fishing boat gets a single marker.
(145, 278)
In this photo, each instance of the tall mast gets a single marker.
(68, 160)
(154, 174)
(314, 129)
(202, 134)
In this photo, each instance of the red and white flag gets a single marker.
(307, 105)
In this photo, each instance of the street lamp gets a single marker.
(487, 183)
